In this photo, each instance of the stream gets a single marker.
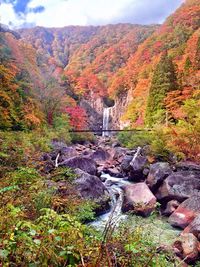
(155, 225)
(114, 187)
(162, 232)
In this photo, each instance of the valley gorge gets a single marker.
(100, 144)
(126, 185)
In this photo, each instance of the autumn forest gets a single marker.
(54, 81)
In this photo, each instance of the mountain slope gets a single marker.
(19, 75)
(117, 61)
(179, 37)
(87, 53)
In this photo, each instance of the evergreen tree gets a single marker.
(164, 80)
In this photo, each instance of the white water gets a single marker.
(161, 231)
(106, 116)
(114, 216)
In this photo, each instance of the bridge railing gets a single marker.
(111, 130)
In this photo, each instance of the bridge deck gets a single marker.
(111, 130)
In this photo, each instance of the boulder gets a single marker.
(80, 148)
(125, 165)
(63, 150)
(91, 187)
(186, 247)
(179, 186)
(131, 152)
(86, 164)
(66, 153)
(194, 227)
(188, 166)
(48, 166)
(137, 165)
(114, 172)
(100, 155)
(146, 171)
(57, 145)
(171, 207)
(157, 173)
(118, 153)
(139, 198)
(186, 212)
(116, 144)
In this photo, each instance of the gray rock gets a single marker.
(125, 165)
(91, 187)
(189, 166)
(158, 172)
(66, 153)
(114, 172)
(116, 144)
(100, 155)
(137, 166)
(86, 164)
(179, 186)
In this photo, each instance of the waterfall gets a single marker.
(106, 116)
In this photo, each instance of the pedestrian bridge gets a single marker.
(110, 130)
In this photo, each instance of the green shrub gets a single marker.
(24, 176)
(156, 140)
(158, 146)
(53, 239)
(61, 128)
(82, 137)
(135, 139)
(85, 211)
(63, 174)
(43, 199)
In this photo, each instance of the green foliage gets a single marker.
(158, 146)
(164, 80)
(17, 148)
(132, 244)
(82, 137)
(86, 212)
(52, 239)
(61, 126)
(184, 138)
(63, 174)
(156, 140)
(5, 51)
(135, 139)
(23, 176)
(43, 199)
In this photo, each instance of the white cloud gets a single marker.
(76, 12)
(8, 15)
(57, 14)
(60, 13)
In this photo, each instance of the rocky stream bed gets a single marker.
(123, 181)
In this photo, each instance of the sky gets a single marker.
(59, 13)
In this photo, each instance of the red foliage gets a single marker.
(78, 117)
